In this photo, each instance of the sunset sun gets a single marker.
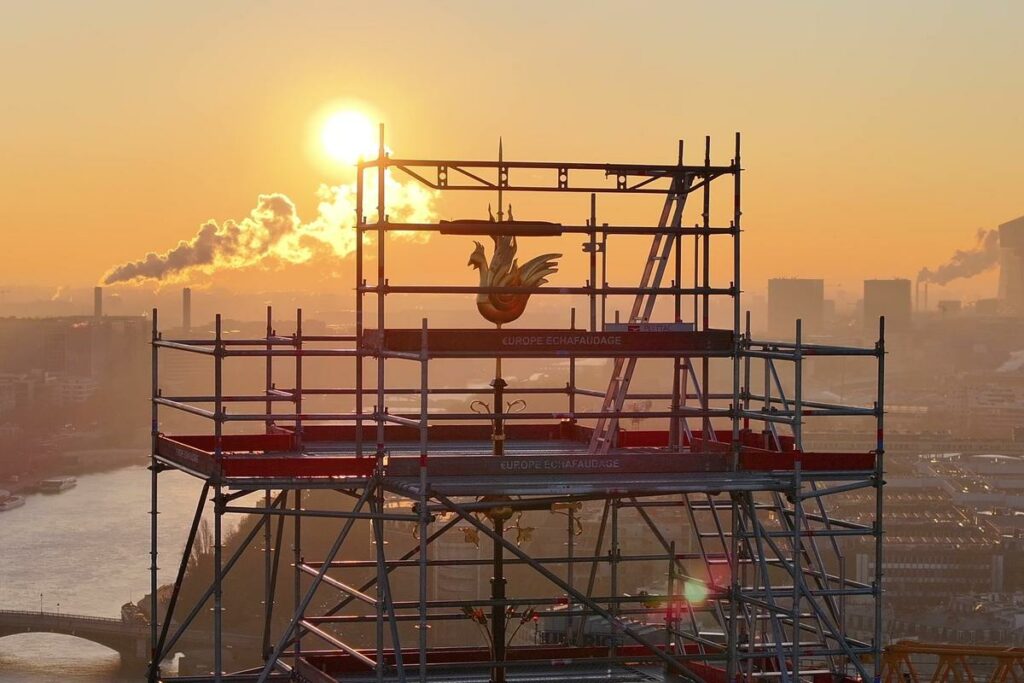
(347, 136)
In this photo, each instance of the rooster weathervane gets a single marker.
(504, 271)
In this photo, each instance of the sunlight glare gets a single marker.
(348, 136)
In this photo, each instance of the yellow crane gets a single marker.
(954, 662)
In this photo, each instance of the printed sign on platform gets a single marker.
(535, 342)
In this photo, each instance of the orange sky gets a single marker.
(877, 136)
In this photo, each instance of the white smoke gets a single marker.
(966, 262)
(1014, 363)
(273, 231)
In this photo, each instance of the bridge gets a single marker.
(130, 640)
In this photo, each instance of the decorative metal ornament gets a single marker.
(504, 270)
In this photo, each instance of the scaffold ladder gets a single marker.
(643, 308)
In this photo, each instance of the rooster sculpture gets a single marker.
(504, 271)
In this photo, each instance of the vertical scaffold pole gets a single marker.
(613, 552)
(154, 509)
(424, 515)
(570, 577)
(674, 428)
(360, 283)
(706, 427)
(798, 401)
(298, 379)
(798, 393)
(498, 617)
(297, 544)
(745, 388)
(736, 308)
(381, 284)
(592, 248)
(218, 503)
(297, 562)
(798, 571)
(269, 370)
(736, 585)
(268, 589)
(571, 389)
(673, 601)
(879, 497)
(604, 278)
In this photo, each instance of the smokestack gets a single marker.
(97, 302)
(926, 296)
(186, 309)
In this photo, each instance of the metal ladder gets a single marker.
(643, 307)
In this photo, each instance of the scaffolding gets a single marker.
(759, 589)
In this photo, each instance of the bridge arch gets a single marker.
(5, 637)
(130, 641)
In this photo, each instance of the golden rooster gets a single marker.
(504, 271)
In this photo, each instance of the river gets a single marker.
(85, 551)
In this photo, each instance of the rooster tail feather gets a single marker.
(538, 267)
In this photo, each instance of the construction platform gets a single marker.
(710, 554)
(461, 462)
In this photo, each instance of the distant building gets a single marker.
(1011, 265)
(950, 306)
(76, 389)
(73, 345)
(986, 307)
(889, 298)
(790, 299)
(26, 389)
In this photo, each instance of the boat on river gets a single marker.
(9, 501)
(57, 484)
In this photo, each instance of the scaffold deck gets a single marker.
(252, 460)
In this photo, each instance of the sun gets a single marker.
(347, 136)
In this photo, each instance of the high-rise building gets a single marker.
(790, 299)
(1011, 265)
(890, 298)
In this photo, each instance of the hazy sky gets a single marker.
(878, 136)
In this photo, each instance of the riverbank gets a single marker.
(93, 541)
(73, 463)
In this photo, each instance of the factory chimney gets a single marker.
(186, 309)
(97, 302)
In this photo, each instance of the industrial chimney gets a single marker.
(186, 309)
(97, 302)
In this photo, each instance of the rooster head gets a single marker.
(478, 259)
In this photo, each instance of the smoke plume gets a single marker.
(273, 233)
(1012, 364)
(966, 262)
